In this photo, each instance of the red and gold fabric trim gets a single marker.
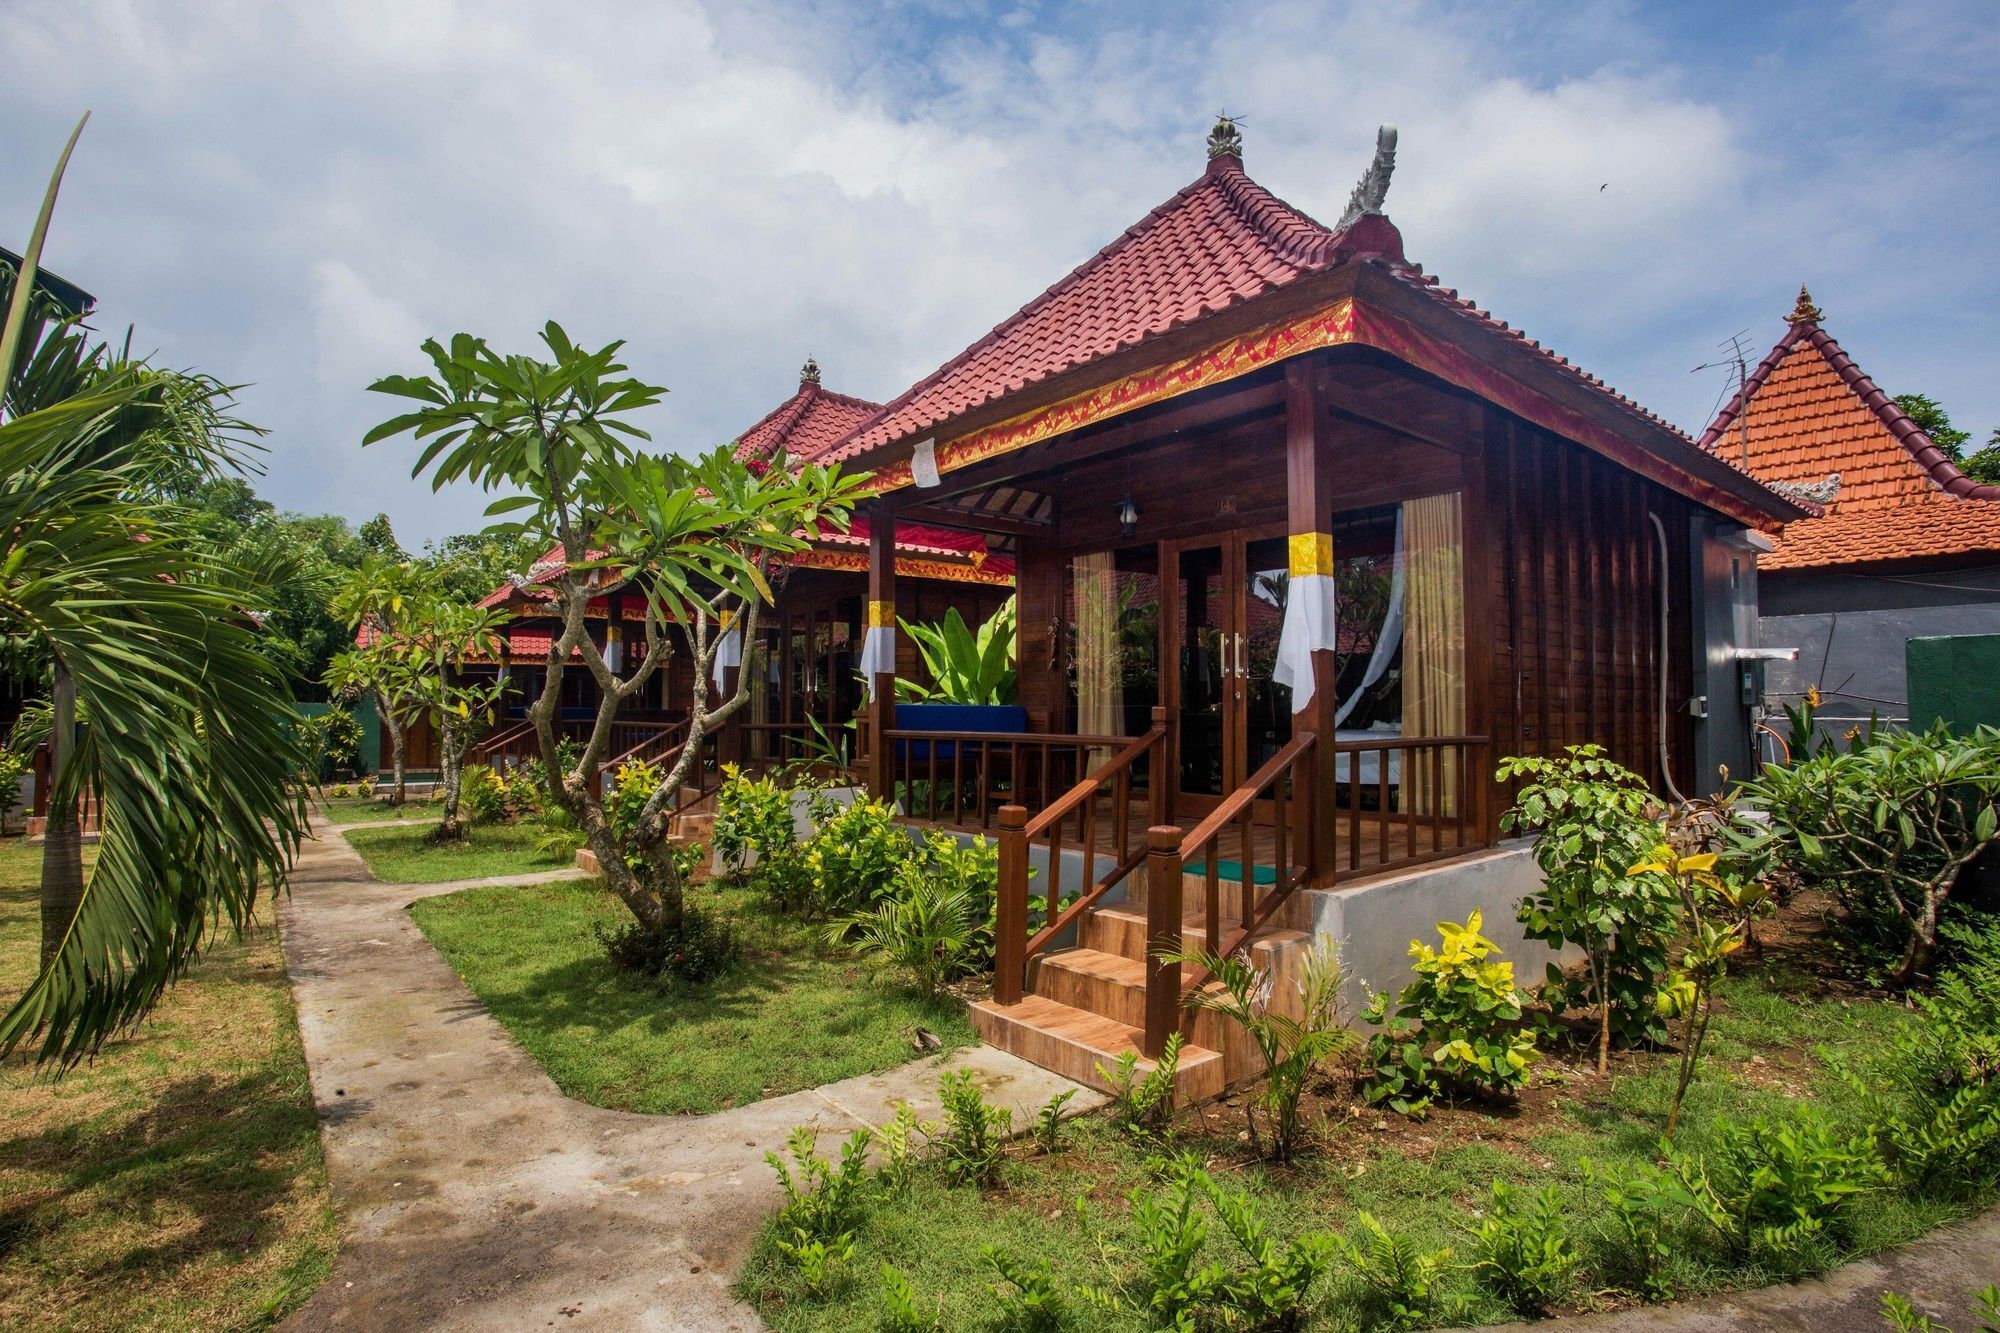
(906, 567)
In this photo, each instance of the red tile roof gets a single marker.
(1215, 244)
(1812, 413)
(807, 422)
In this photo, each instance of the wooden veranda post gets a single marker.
(879, 625)
(1163, 938)
(1309, 511)
(1010, 915)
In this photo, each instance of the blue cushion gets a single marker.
(1000, 719)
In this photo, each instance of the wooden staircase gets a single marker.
(1089, 982)
(1086, 1004)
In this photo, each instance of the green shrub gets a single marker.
(753, 820)
(1525, 1252)
(483, 795)
(898, 1148)
(1273, 1288)
(1591, 819)
(1143, 1104)
(902, 1312)
(701, 948)
(1293, 1048)
(1029, 1300)
(822, 1201)
(1455, 1029)
(341, 791)
(1888, 825)
(973, 1141)
(1772, 1189)
(1398, 1281)
(1900, 1313)
(631, 787)
(854, 855)
(1049, 1122)
(821, 1261)
(926, 927)
(1647, 1205)
(1942, 1135)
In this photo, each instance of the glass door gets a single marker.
(1229, 608)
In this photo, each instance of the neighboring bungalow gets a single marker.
(1909, 547)
(811, 636)
(1217, 446)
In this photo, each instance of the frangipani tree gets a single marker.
(377, 597)
(443, 637)
(687, 540)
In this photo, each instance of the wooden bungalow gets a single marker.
(1305, 543)
(808, 666)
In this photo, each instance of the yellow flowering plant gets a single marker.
(1455, 1029)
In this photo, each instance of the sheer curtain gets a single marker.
(1433, 646)
(1100, 689)
(1390, 636)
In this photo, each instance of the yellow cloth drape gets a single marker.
(1433, 647)
(1100, 687)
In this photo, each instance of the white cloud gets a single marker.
(294, 196)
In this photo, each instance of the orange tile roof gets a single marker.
(1808, 413)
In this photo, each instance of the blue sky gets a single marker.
(291, 197)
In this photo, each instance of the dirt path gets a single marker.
(473, 1194)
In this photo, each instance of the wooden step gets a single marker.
(1121, 930)
(1114, 987)
(1072, 1042)
(1194, 898)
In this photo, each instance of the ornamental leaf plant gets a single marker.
(1456, 1029)
(684, 545)
(1592, 820)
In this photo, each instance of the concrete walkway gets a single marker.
(473, 1194)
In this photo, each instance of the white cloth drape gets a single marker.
(878, 656)
(728, 653)
(1391, 636)
(1311, 606)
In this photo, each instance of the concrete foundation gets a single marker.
(1375, 922)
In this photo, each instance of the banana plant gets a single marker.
(965, 668)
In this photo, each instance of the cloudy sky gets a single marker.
(293, 196)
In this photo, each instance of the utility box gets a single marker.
(1955, 679)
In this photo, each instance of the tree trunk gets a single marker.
(400, 794)
(62, 848)
(451, 763)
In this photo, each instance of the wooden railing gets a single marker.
(1286, 783)
(960, 779)
(1403, 801)
(657, 743)
(508, 744)
(1099, 806)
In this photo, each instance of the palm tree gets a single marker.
(188, 749)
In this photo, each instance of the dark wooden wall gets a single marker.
(1571, 590)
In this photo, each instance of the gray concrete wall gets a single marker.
(1375, 923)
(1856, 656)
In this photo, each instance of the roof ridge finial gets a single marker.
(1226, 139)
(809, 373)
(1805, 312)
(1373, 187)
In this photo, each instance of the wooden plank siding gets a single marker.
(1573, 584)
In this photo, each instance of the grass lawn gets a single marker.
(794, 1015)
(1774, 1044)
(175, 1181)
(370, 809)
(402, 856)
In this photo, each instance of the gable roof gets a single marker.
(807, 422)
(1226, 244)
(1809, 412)
(1214, 244)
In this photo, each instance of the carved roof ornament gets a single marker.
(1225, 140)
(1818, 492)
(1805, 312)
(809, 372)
(1374, 186)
